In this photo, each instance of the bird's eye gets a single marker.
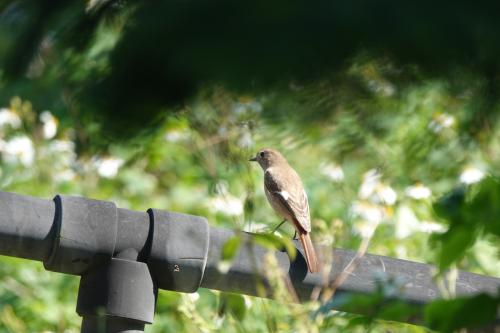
(261, 154)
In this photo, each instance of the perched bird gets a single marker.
(286, 194)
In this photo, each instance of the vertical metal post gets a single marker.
(118, 297)
(95, 324)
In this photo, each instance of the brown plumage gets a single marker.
(286, 194)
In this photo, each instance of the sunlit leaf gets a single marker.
(359, 321)
(231, 247)
(274, 242)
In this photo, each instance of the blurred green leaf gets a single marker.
(449, 207)
(451, 315)
(383, 303)
(470, 211)
(400, 311)
(274, 242)
(233, 304)
(360, 321)
(205, 98)
(454, 244)
(485, 206)
(231, 247)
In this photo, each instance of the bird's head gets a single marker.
(268, 157)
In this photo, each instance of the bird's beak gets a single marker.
(253, 159)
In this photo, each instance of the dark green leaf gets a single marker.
(359, 321)
(485, 206)
(450, 315)
(399, 311)
(449, 207)
(233, 304)
(470, 212)
(455, 243)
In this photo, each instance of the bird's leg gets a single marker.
(295, 235)
(279, 225)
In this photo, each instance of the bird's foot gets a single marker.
(279, 225)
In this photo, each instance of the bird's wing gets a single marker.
(290, 193)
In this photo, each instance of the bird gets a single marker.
(287, 197)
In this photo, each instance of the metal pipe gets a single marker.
(96, 324)
(26, 226)
(181, 253)
(414, 279)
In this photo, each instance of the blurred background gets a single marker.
(388, 111)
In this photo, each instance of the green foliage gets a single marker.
(125, 63)
(149, 111)
(381, 304)
(197, 163)
(470, 211)
(274, 242)
(231, 247)
(233, 304)
(452, 315)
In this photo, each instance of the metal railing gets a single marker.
(124, 256)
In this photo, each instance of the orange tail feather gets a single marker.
(311, 258)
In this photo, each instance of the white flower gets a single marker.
(49, 124)
(7, 117)
(368, 212)
(62, 146)
(65, 175)
(374, 190)
(193, 296)
(441, 121)
(248, 301)
(386, 194)
(223, 266)
(471, 175)
(371, 179)
(365, 228)
(63, 154)
(19, 149)
(446, 120)
(333, 171)
(224, 202)
(431, 227)
(418, 192)
(407, 224)
(176, 135)
(108, 167)
(227, 204)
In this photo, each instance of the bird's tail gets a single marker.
(311, 258)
